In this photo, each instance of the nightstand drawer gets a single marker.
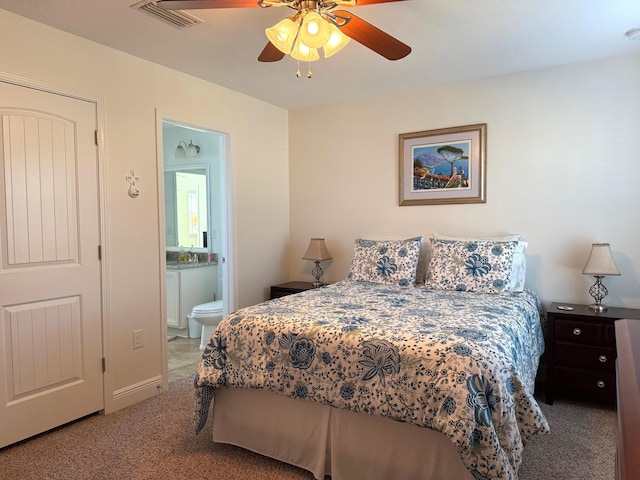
(583, 333)
(600, 384)
(581, 350)
(586, 357)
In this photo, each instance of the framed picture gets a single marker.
(442, 166)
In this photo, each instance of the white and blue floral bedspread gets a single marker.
(461, 363)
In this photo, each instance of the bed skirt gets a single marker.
(328, 441)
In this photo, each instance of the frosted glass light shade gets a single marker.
(336, 41)
(180, 150)
(282, 35)
(303, 52)
(315, 30)
(192, 150)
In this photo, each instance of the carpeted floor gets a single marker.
(154, 440)
(581, 445)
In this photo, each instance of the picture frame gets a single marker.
(443, 166)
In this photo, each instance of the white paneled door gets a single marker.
(50, 313)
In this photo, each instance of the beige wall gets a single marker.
(563, 164)
(131, 90)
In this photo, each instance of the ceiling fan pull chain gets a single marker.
(298, 72)
(309, 74)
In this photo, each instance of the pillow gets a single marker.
(519, 267)
(385, 261)
(519, 264)
(473, 266)
(500, 238)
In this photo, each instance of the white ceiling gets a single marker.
(452, 40)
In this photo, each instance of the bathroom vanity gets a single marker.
(188, 285)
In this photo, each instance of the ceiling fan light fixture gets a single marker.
(304, 53)
(336, 42)
(315, 30)
(283, 34)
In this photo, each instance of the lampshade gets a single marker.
(315, 30)
(600, 261)
(283, 34)
(317, 250)
(303, 52)
(336, 41)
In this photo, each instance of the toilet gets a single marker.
(208, 315)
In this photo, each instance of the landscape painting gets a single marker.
(443, 166)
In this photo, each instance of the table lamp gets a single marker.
(599, 265)
(317, 251)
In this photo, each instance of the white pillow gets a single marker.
(519, 267)
(511, 237)
(518, 264)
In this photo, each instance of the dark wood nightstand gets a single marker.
(581, 351)
(289, 288)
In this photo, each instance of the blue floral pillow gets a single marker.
(471, 266)
(385, 261)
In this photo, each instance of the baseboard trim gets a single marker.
(137, 392)
(179, 332)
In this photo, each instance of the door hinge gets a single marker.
(99, 252)
(95, 136)
(104, 364)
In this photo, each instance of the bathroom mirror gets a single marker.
(186, 213)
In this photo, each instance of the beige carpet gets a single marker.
(154, 440)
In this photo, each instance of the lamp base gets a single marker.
(598, 291)
(598, 307)
(317, 274)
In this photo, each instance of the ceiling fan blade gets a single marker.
(199, 4)
(270, 54)
(372, 37)
(358, 3)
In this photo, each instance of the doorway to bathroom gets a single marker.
(197, 258)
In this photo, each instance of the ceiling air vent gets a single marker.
(177, 18)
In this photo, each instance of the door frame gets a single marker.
(97, 100)
(226, 260)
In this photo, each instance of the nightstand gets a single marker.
(581, 351)
(289, 288)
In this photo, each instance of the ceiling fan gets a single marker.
(315, 24)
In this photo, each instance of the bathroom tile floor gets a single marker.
(184, 355)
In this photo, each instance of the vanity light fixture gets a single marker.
(600, 264)
(183, 150)
(633, 34)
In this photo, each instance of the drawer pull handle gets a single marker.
(600, 384)
(577, 331)
(603, 358)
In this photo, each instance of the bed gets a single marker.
(385, 378)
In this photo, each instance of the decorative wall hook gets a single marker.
(132, 178)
